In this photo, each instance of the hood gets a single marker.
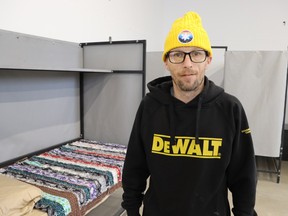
(160, 90)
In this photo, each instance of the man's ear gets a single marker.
(166, 65)
(209, 59)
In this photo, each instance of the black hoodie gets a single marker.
(193, 153)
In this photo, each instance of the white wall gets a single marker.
(82, 20)
(240, 25)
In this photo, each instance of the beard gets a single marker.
(187, 87)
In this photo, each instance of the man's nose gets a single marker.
(187, 61)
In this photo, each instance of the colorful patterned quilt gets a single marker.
(74, 177)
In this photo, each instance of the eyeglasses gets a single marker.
(196, 56)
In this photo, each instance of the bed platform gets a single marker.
(74, 177)
(56, 99)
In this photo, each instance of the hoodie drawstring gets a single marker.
(198, 119)
(172, 122)
(172, 126)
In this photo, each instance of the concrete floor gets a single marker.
(272, 197)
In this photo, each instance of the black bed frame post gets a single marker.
(81, 98)
(144, 69)
(282, 135)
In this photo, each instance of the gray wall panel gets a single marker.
(27, 51)
(37, 110)
(110, 105)
(114, 56)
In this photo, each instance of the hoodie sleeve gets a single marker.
(135, 171)
(242, 169)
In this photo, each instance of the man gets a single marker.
(190, 138)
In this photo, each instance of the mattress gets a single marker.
(74, 177)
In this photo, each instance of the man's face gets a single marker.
(187, 76)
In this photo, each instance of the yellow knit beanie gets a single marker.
(187, 31)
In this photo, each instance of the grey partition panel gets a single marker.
(121, 56)
(111, 100)
(37, 110)
(155, 67)
(26, 51)
(259, 80)
(110, 105)
(215, 70)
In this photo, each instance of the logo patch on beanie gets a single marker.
(185, 36)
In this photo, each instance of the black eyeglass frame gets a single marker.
(187, 53)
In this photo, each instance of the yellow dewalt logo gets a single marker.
(186, 146)
(246, 131)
